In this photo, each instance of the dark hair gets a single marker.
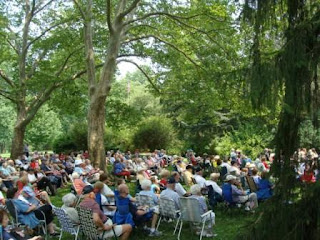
(11, 192)
(254, 171)
(103, 177)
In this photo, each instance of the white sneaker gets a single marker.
(247, 208)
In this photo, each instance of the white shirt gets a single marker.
(106, 211)
(180, 190)
(200, 180)
(32, 178)
(215, 186)
(236, 170)
(227, 165)
(106, 191)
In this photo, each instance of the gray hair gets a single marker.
(69, 199)
(145, 184)
(75, 175)
(195, 189)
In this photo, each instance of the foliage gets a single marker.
(6, 124)
(74, 139)
(284, 68)
(154, 133)
(43, 130)
(251, 138)
(118, 139)
(309, 136)
(130, 101)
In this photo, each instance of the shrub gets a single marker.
(154, 133)
(74, 139)
(250, 138)
(309, 136)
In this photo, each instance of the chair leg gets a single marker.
(61, 235)
(176, 227)
(77, 233)
(180, 230)
(159, 223)
(202, 230)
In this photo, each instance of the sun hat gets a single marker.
(230, 177)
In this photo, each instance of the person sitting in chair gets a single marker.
(210, 218)
(240, 196)
(101, 221)
(69, 202)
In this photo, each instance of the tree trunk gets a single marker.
(96, 128)
(17, 141)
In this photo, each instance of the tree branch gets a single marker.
(6, 78)
(45, 94)
(152, 14)
(66, 61)
(80, 9)
(198, 30)
(7, 96)
(167, 43)
(36, 63)
(41, 8)
(130, 8)
(143, 72)
(45, 31)
(109, 16)
(131, 55)
(11, 45)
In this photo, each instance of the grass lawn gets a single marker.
(229, 223)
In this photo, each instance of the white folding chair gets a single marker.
(190, 212)
(168, 209)
(65, 223)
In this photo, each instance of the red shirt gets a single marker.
(163, 182)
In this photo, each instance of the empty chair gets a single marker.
(190, 212)
(168, 210)
(65, 223)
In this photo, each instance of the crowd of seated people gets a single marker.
(30, 181)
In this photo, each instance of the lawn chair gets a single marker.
(193, 180)
(252, 185)
(14, 214)
(87, 226)
(168, 210)
(65, 223)
(190, 212)
(213, 197)
(145, 200)
(223, 173)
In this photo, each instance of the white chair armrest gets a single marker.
(205, 214)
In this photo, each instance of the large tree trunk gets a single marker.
(96, 126)
(17, 141)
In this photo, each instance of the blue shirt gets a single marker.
(169, 193)
(30, 218)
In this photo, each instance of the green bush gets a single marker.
(309, 136)
(250, 138)
(154, 133)
(74, 139)
(64, 144)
